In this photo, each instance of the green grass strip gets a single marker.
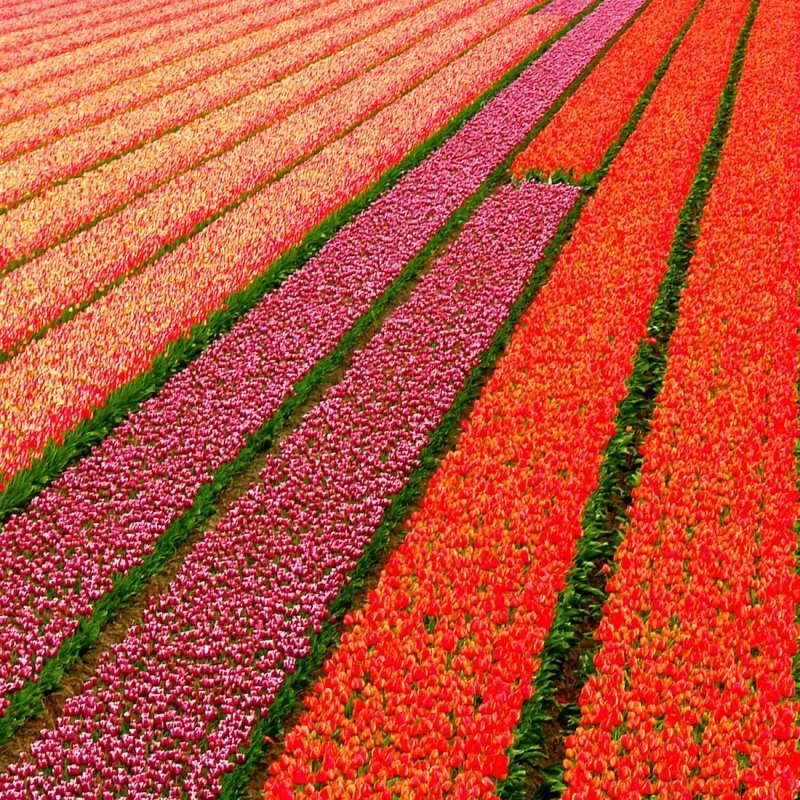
(120, 403)
(606, 512)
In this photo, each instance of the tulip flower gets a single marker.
(214, 648)
(701, 614)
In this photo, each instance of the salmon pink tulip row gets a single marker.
(36, 170)
(606, 98)
(422, 698)
(276, 42)
(48, 73)
(211, 164)
(107, 512)
(52, 384)
(694, 694)
(18, 16)
(171, 707)
(120, 25)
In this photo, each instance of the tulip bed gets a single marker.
(68, 208)
(116, 338)
(399, 399)
(172, 704)
(578, 137)
(144, 228)
(694, 693)
(459, 619)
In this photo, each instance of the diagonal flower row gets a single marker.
(192, 34)
(27, 173)
(422, 698)
(39, 291)
(171, 706)
(694, 693)
(51, 385)
(106, 515)
(605, 99)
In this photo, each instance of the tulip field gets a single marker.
(400, 399)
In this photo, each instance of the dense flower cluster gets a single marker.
(62, 158)
(126, 240)
(47, 40)
(583, 130)
(694, 694)
(48, 73)
(422, 697)
(54, 383)
(88, 63)
(213, 26)
(54, 214)
(171, 706)
(279, 28)
(108, 511)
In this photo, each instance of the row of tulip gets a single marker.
(38, 169)
(27, 13)
(18, 33)
(240, 65)
(38, 74)
(143, 498)
(157, 15)
(694, 693)
(605, 99)
(58, 212)
(139, 481)
(52, 384)
(68, 275)
(194, 33)
(458, 620)
(172, 705)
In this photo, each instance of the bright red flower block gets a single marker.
(694, 694)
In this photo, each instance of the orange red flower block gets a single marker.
(694, 694)
(422, 698)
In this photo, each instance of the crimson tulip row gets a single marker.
(605, 100)
(458, 621)
(231, 69)
(116, 339)
(172, 705)
(233, 134)
(29, 78)
(694, 693)
(138, 483)
(31, 172)
(193, 33)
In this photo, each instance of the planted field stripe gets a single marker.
(219, 26)
(17, 37)
(144, 228)
(137, 486)
(58, 66)
(250, 594)
(56, 213)
(458, 620)
(134, 323)
(700, 618)
(250, 57)
(35, 170)
(126, 25)
(577, 138)
(16, 15)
